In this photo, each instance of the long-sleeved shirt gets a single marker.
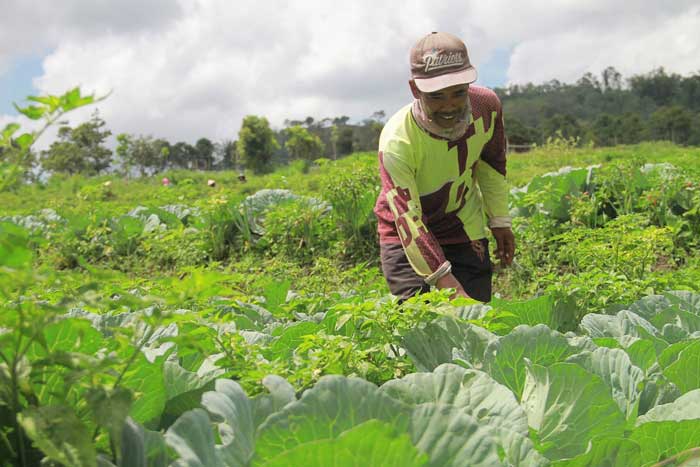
(437, 192)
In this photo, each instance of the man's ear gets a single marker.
(414, 89)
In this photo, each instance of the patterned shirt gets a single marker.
(436, 192)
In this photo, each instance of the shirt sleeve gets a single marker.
(399, 182)
(490, 173)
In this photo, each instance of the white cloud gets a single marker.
(192, 68)
(635, 40)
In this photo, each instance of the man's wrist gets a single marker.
(499, 222)
(444, 269)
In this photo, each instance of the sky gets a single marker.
(186, 69)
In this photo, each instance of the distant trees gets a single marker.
(606, 110)
(182, 155)
(80, 149)
(204, 153)
(142, 152)
(256, 143)
(303, 145)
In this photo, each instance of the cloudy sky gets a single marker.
(185, 69)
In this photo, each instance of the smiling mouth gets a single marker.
(450, 116)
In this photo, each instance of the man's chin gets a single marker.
(446, 124)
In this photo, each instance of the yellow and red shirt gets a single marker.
(438, 192)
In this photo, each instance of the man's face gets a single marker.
(446, 107)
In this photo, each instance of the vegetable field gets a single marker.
(248, 324)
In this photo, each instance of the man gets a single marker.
(442, 162)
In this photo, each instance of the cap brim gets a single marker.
(445, 81)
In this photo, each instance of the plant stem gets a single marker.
(15, 386)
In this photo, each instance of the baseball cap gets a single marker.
(440, 60)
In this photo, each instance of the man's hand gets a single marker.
(505, 244)
(449, 281)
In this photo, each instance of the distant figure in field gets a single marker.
(241, 178)
(442, 163)
(211, 183)
(165, 181)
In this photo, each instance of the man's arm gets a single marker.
(422, 248)
(491, 177)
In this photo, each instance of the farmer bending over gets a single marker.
(442, 161)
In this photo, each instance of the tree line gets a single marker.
(83, 149)
(605, 110)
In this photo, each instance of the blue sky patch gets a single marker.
(494, 72)
(16, 82)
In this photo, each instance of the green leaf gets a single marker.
(70, 345)
(146, 381)
(32, 112)
(232, 410)
(685, 320)
(184, 388)
(335, 404)
(491, 404)
(532, 312)
(661, 440)
(505, 358)
(70, 99)
(642, 353)
(368, 444)
(50, 101)
(657, 390)
(14, 249)
(451, 438)
(279, 393)
(614, 367)
(433, 345)
(192, 437)
(473, 391)
(110, 409)
(605, 452)
(685, 371)
(142, 448)
(8, 131)
(568, 407)
(284, 346)
(275, 294)
(25, 140)
(58, 432)
(650, 306)
(685, 300)
(685, 407)
(179, 381)
(623, 324)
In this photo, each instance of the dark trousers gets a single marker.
(472, 271)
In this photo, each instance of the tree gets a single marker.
(143, 152)
(632, 128)
(565, 123)
(256, 143)
(612, 79)
(123, 148)
(657, 85)
(673, 123)
(607, 130)
(226, 154)
(182, 155)
(80, 149)
(205, 153)
(518, 133)
(303, 145)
